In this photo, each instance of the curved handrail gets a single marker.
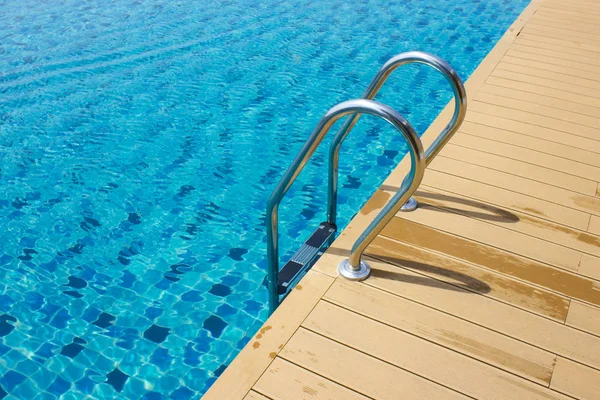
(460, 109)
(362, 106)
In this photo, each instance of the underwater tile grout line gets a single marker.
(133, 187)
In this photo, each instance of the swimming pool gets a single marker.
(139, 142)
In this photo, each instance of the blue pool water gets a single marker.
(139, 142)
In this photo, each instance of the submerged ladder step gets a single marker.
(305, 256)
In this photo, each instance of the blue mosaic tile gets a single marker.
(11, 379)
(59, 386)
(130, 253)
(117, 379)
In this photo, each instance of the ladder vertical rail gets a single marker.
(360, 106)
(412, 57)
(354, 268)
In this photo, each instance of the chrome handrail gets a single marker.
(410, 183)
(460, 109)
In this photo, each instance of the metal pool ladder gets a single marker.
(278, 282)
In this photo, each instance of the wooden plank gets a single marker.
(590, 266)
(531, 130)
(536, 119)
(518, 66)
(573, 93)
(536, 37)
(531, 271)
(520, 168)
(286, 381)
(479, 278)
(571, 7)
(585, 37)
(533, 226)
(522, 104)
(398, 348)
(254, 359)
(576, 27)
(521, 141)
(564, 16)
(576, 380)
(529, 93)
(594, 225)
(255, 396)
(587, 204)
(448, 331)
(517, 153)
(561, 35)
(368, 375)
(531, 42)
(495, 236)
(510, 321)
(584, 317)
(507, 198)
(582, 75)
(525, 46)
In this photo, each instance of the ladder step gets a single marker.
(308, 253)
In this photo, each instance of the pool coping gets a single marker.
(254, 359)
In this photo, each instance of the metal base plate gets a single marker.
(345, 270)
(410, 205)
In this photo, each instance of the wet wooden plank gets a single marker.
(538, 274)
(489, 281)
(286, 381)
(448, 331)
(520, 168)
(576, 380)
(511, 200)
(555, 233)
(358, 371)
(491, 235)
(510, 321)
(255, 358)
(584, 317)
(423, 358)
(586, 204)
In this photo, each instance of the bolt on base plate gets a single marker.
(410, 205)
(363, 272)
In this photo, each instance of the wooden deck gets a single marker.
(491, 289)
